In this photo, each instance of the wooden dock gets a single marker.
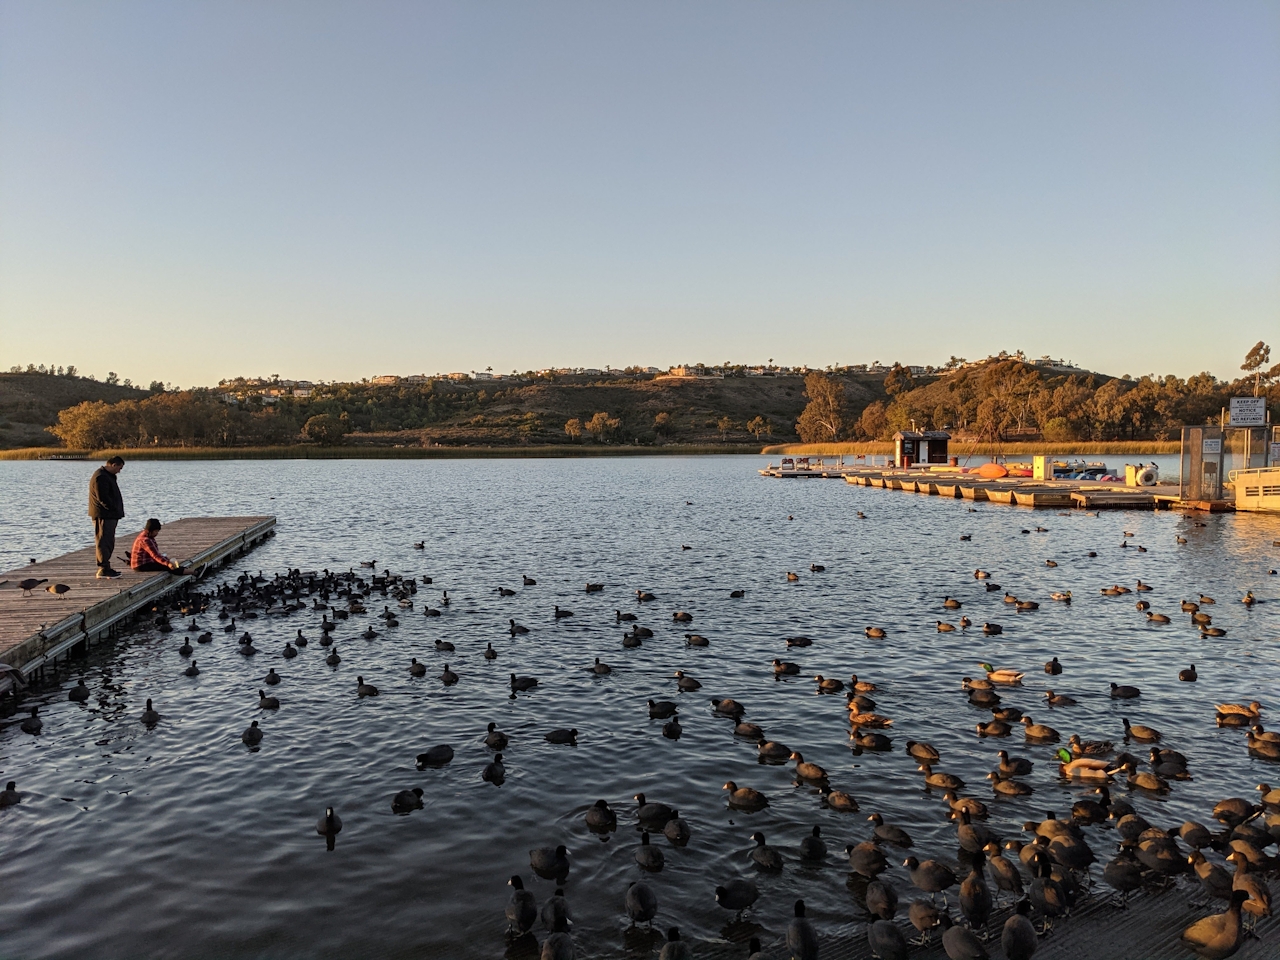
(36, 629)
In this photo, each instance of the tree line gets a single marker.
(1008, 398)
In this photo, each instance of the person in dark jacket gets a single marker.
(106, 507)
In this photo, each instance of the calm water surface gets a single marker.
(179, 842)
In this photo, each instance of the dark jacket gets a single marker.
(105, 501)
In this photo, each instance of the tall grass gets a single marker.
(960, 449)
(373, 453)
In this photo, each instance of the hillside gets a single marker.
(29, 402)
(533, 411)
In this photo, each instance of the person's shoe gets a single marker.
(106, 573)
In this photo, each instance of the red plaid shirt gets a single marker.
(145, 551)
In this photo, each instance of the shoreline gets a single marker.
(560, 451)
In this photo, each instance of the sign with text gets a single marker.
(1211, 447)
(1248, 412)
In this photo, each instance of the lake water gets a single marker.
(178, 841)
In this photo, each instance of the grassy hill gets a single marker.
(29, 402)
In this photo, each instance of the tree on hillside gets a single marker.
(573, 428)
(1254, 361)
(324, 428)
(898, 380)
(823, 417)
(601, 425)
(724, 425)
(873, 424)
(662, 424)
(759, 426)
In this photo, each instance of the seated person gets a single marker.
(146, 557)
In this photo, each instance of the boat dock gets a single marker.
(37, 627)
(951, 481)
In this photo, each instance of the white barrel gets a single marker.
(1148, 476)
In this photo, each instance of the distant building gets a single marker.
(457, 376)
(385, 380)
(478, 375)
(302, 391)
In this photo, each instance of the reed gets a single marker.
(962, 450)
(373, 453)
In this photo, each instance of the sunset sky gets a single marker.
(323, 190)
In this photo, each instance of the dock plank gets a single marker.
(31, 626)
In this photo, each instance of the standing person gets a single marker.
(106, 507)
(146, 556)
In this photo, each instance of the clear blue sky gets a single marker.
(196, 190)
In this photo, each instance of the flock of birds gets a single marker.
(1043, 873)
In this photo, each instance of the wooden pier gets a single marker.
(37, 628)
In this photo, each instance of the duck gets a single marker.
(1058, 699)
(1088, 748)
(523, 683)
(562, 735)
(1007, 786)
(686, 683)
(522, 908)
(870, 740)
(550, 863)
(874, 633)
(1188, 675)
(1082, 768)
(745, 798)
(951, 603)
(1018, 937)
(33, 724)
(1259, 902)
(806, 770)
(828, 684)
(620, 617)
(943, 781)
(764, 856)
(192, 670)
(728, 708)
(494, 771)
(1141, 780)
(272, 678)
(641, 903)
(436, 756)
(661, 709)
(149, 716)
(1039, 732)
(1142, 734)
(1014, 766)
(696, 640)
(516, 628)
(267, 703)
(1252, 710)
(890, 833)
(417, 669)
(672, 729)
(767, 750)
(600, 816)
(802, 938)
(792, 577)
(861, 686)
(945, 627)
(1218, 936)
(444, 646)
(1157, 618)
(330, 825)
(923, 752)
(252, 736)
(1053, 667)
(930, 875)
(992, 629)
(1124, 691)
(970, 805)
(737, 894)
(838, 800)
(365, 689)
(674, 948)
(562, 614)
(649, 857)
(653, 814)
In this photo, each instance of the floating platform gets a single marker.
(35, 629)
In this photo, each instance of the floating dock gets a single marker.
(951, 482)
(38, 628)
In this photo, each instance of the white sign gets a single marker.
(1248, 412)
(1275, 454)
(1213, 447)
